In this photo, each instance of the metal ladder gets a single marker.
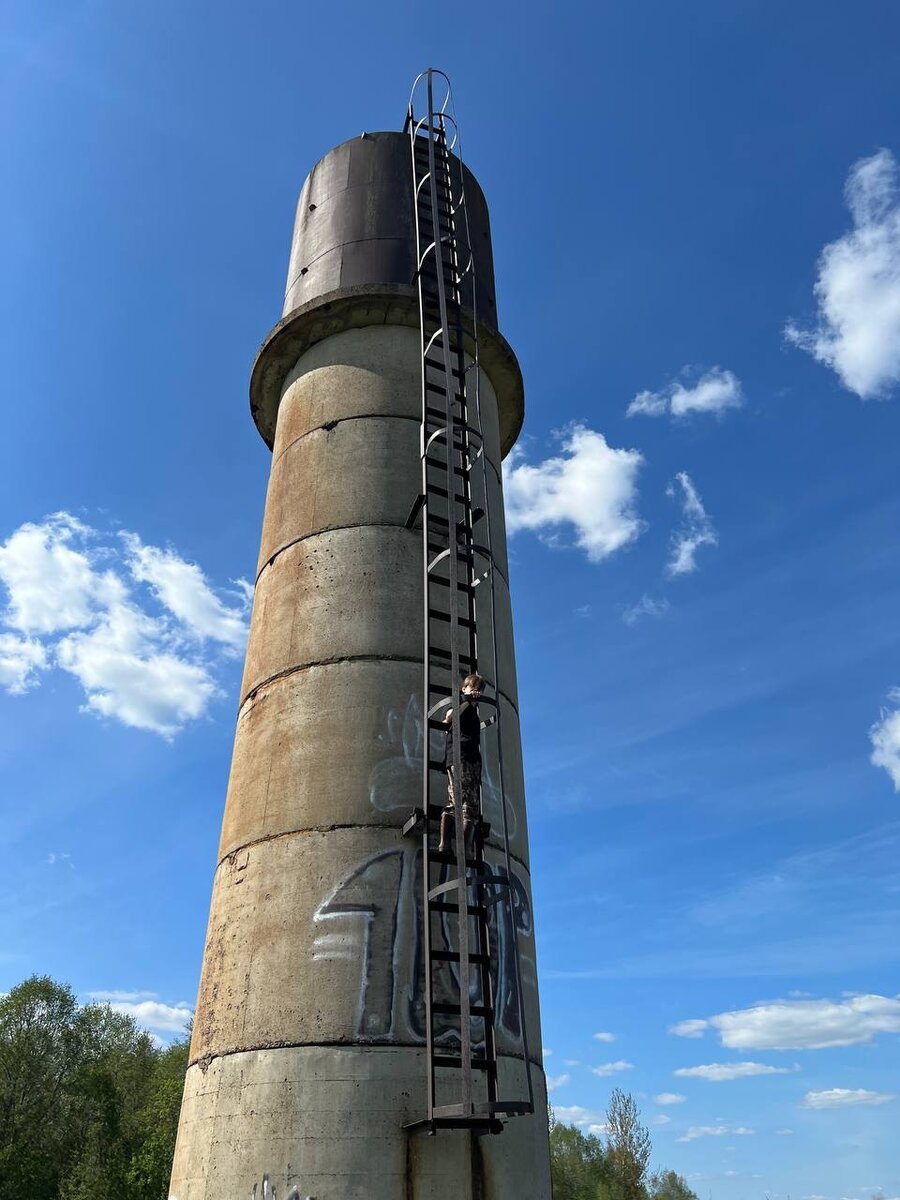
(459, 889)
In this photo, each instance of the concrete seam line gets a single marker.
(375, 416)
(323, 829)
(203, 1060)
(346, 658)
(337, 246)
(303, 537)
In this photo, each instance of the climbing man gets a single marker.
(468, 787)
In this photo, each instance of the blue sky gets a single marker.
(695, 217)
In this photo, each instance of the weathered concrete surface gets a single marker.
(327, 1121)
(307, 608)
(309, 1026)
(354, 308)
(292, 731)
(316, 937)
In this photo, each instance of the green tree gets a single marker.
(88, 1105)
(627, 1148)
(669, 1185)
(579, 1164)
(40, 1053)
(147, 1176)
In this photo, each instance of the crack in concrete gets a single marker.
(205, 1060)
(336, 661)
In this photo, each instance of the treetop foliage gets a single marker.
(88, 1105)
(587, 1167)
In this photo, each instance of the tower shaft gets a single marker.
(308, 1057)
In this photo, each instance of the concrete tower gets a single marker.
(308, 1059)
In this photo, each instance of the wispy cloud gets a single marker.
(696, 528)
(604, 1036)
(645, 607)
(714, 392)
(702, 1131)
(612, 1068)
(842, 1097)
(590, 488)
(721, 1072)
(885, 738)
(83, 601)
(147, 1010)
(800, 1024)
(669, 1098)
(20, 661)
(857, 332)
(585, 1118)
(557, 1081)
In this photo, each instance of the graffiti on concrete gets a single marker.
(270, 1192)
(372, 921)
(396, 779)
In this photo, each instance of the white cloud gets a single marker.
(699, 1131)
(645, 607)
(557, 1081)
(696, 528)
(885, 738)
(784, 1132)
(693, 1028)
(714, 392)
(857, 332)
(84, 599)
(127, 673)
(604, 1036)
(669, 1098)
(56, 857)
(662, 1119)
(612, 1068)
(841, 1097)
(585, 1118)
(571, 1062)
(51, 585)
(147, 1010)
(720, 1072)
(590, 487)
(801, 1024)
(546, 1051)
(182, 587)
(20, 660)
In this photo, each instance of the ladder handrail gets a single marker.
(437, 200)
(493, 607)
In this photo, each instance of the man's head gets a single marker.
(473, 685)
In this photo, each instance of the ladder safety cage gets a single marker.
(459, 889)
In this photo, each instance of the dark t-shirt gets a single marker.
(469, 735)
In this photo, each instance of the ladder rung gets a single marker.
(510, 1107)
(459, 472)
(436, 615)
(452, 956)
(448, 906)
(463, 587)
(437, 364)
(478, 1064)
(435, 490)
(450, 1009)
(445, 658)
(448, 857)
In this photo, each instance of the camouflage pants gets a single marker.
(471, 786)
